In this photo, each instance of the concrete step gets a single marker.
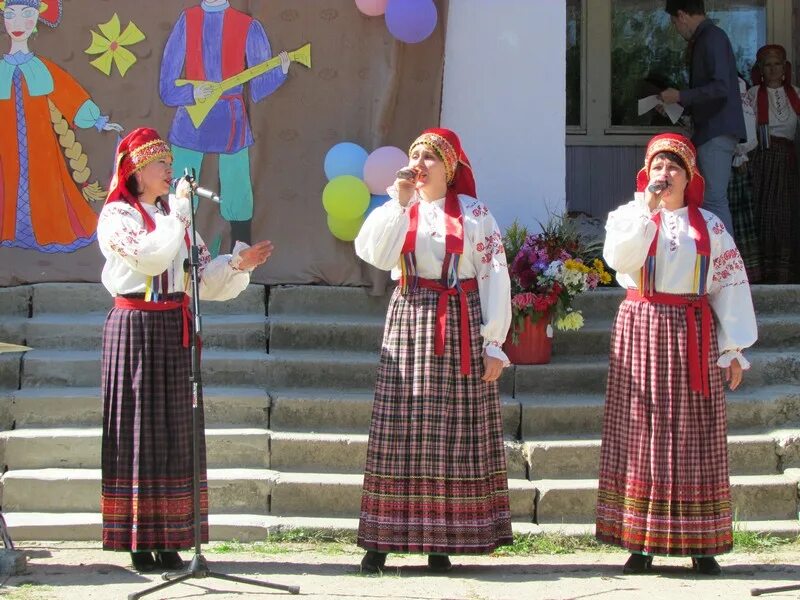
(87, 527)
(78, 490)
(15, 301)
(81, 368)
(10, 369)
(580, 458)
(587, 375)
(347, 411)
(755, 498)
(79, 448)
(749, 410)
(78, 298)
(257, 491)
(84, 331)
(601, 303)
(82, 406)
(325, 300)
(331, 332)
(364, 334)
(346, 453)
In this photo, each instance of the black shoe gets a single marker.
(170, 560)
(707, 565)
(373, 562)
(439, 563)
(143, 562)
(637, 564)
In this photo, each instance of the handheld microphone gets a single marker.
(657, 187)
(199, 191)
(406, 173)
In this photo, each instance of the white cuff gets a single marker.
(236, 260)
(739, 159)
(728, 356)
(495, 350)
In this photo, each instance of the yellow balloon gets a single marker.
(345, 197)
(345, 230)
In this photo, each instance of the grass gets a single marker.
(341, 542)
(752, 541)
(27, 591)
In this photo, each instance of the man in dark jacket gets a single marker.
(712, 100)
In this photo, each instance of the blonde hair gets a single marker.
(78, 160)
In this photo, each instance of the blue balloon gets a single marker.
(376, 201)
(411, 21)
(345, 158)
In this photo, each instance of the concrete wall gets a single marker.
(504, 94)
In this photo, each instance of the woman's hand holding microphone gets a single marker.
(405, 183)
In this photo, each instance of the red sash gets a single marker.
(163, 305)
(468, 285)
(699, 353)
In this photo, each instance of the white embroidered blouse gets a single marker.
(629, 233)
(380, 243)
(782, 118)
(133, 255)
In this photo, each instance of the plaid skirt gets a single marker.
(745, 231)
(435, 479)
(777, 208)
(664, 486)
(147, 434)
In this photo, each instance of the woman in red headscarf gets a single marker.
(147, 395)
(775, 174)
(435, 479)
(664, 487)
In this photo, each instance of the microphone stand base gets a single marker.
(198, 569)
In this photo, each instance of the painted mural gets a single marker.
(230, 83)
(44, 199)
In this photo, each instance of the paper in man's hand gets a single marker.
(673, 111)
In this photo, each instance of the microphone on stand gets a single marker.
(201, 192)
(657, 187)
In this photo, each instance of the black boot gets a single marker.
(240, 230)
(706, 565)
(170, 560)
(143, 562)
(373, 562)
(440, 563)
(637, 564)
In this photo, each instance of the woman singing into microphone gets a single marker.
(435, 478)
(147, 396)
(677, 338)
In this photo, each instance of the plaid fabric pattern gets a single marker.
(435, 478)
(745, 231)
(775, 198)
(664, 486)
(147, 434)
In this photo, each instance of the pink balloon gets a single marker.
(381, 167)
(372, 8)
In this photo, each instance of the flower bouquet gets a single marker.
(547, 271)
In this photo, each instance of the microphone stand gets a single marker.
(198, 568)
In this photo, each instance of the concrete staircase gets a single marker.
(288, 389)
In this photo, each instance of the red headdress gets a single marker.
(137, 150)
(762, 102)
(458, 171)
(49, 12)
(682, 147)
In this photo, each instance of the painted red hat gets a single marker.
(49, 12)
